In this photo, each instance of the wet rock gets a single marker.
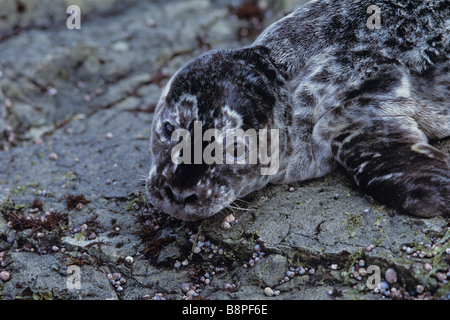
(87, 96)
(169, 253)
(269, 271)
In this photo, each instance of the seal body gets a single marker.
(336, 90)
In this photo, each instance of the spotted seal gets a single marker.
(337, 91)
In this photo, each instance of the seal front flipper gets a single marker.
(390, 159)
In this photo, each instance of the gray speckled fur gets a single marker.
(339, 92)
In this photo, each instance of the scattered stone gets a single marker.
(77, 118)
(427, 266)
(129, 259)
(53, 156)
(269, 292)
(5, 275)
(440, 276)
(390, 276)
(185, 287)
(419, 288)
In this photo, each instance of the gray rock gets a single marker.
(269, 272)
(87, 96)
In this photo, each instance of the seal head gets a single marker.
(221, 90)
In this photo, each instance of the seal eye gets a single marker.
(239, 150)
(168, 129)
(236, 151)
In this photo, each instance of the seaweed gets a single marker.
(46, 228)
(76, 202)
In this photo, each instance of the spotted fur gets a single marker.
(337, 91)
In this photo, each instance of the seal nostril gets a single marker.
(169, 193)
(180, 198)
(157, 195)
(191, 199)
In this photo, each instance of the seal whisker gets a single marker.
(242, 209)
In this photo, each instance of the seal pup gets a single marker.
(339, 93)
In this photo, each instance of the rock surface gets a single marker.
(75, 114)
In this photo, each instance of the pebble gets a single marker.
(151, 23)
(190, 293)
(301, 271)
(230, 218)
(52, 91)
(185, 287)
(269, 292)
(8, 103)
(383, 285)
(334, 266)
(116, 280)
(440, 276)
(427, 266)
(225, 225)
(362, 272)
(53, 156)
(419, 288)
(290, 274)
(159, 296)
(5, 275)
(291, 189)
(229, 286)
(197, 249)
(391, 276)
(409, 250)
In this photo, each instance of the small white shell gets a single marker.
(197, 249)
(53, 156)
(229, 218)
(226, 225)
(129, 259)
